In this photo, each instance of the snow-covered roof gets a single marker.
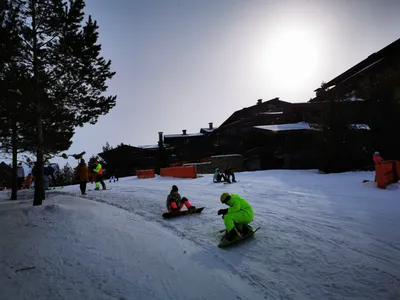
(183, 135)
(197, 164)
(286, 127)
(352, 97)
(208, 129)
(361, 126)
(226, 155)
(272, 113)
(148, 146)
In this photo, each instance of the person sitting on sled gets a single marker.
(175, 202)
(228, 173)
(236, 217)
(219, 176)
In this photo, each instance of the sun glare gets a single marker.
(292, 58)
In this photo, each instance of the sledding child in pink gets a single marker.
(175, 202)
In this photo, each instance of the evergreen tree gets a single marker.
(67, 74)
(14, 113)
(107, 147)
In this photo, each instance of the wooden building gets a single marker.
(377, 68)
(126, 159)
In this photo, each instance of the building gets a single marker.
(379, 67)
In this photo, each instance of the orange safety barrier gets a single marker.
(387, 172)
(179, 172)
(145, 173)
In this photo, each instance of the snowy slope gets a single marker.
(88, 250)
(322, 237)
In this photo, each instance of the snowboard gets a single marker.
(174, 214)
(99, 190)
(224, 244)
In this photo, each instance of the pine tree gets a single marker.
(14, 115)
(68, 75)
(107, 147)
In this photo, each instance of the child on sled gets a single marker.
(175, 202)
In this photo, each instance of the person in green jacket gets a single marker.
(99, 176)
(237, 216)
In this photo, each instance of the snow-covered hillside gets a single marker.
(321, 237)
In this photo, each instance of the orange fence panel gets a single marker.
(387, 172)
(145, 173)
(179, 172)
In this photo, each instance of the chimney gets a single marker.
(184, 131)
(259, 101)
(210, 125)
(160, 139)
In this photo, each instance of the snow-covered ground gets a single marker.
(321, 237)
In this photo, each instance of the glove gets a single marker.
(223, 211)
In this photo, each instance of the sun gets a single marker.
(291, 58)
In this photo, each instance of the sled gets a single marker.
(174, 214)
(224, 243)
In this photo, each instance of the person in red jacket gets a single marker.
(377, 158)
(175, 202)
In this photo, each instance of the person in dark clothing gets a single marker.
(20, 176)
(49, 171)
(228, 173)
(82, 173)
(219, 177)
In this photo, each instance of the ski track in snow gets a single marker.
(321, 236)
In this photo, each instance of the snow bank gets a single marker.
(322, 237)
(73, 248)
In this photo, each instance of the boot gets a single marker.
(247, 229)
(192, 208)
(233, 235)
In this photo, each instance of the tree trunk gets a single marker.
(14, 146)
(39, 184)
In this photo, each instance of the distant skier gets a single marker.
(219, 176)
(237, 216)
(175, 202)
(82, 175)
(99, 176)
(114, 176)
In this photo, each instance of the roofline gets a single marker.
(374, 57)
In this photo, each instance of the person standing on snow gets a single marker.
(237, 216)
(99, 176)
(377, 158)
(82, 175)
(175, 202)
(20, 175)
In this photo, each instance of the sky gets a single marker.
(181, 64)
